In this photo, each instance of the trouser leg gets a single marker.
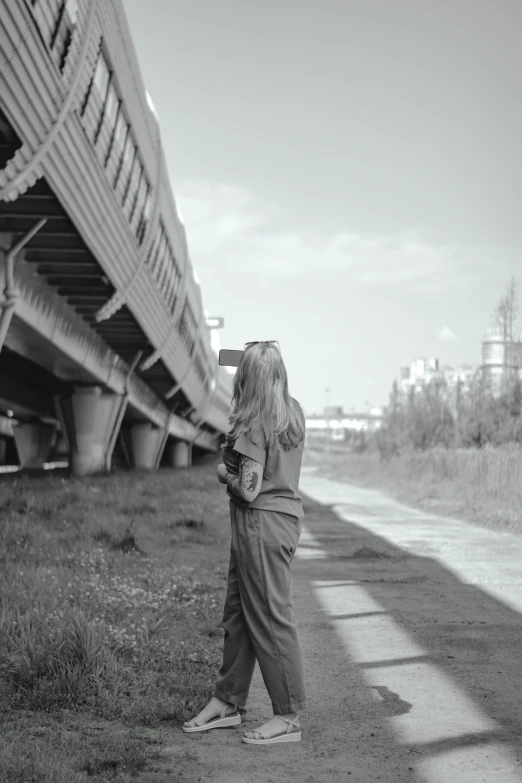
(265, 546)
(235, 675)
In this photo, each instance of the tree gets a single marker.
(505, 315)
(394, 397)
(506, 310)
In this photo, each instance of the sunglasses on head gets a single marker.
(270, 342)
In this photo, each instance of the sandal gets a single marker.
(220, 721)
(290, 735)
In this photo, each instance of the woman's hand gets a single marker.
(222, 473)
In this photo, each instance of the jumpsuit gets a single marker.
(258, 617)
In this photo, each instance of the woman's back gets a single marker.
(281, 472)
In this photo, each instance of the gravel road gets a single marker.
(411, 626)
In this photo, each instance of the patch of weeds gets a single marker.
(23, 760)
(190, 524)
(58, 667)
(50, 505)
(125, 542)
(71, 756)
(148, 492)
(211, 629)
(103, 536)
(17, 504)
(137, 509)
(116, 756)
(14, 545)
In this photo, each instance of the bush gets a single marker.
(434, 418)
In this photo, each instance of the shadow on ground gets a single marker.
(470, 638)
(359, 724)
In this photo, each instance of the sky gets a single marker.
(349, 173)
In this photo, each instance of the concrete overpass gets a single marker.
(104, 346)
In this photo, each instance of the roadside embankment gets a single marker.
(478, 485)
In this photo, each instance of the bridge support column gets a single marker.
(91, 420)
(146, 445)
(33, 443)
(61, 447)
(180, 454)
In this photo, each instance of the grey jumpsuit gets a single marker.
(258, 617)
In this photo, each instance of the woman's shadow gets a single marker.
(470, 636)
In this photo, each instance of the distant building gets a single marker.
(500, 358)
(423, 372)
(333, 411)
(336, 425)
(419, 373)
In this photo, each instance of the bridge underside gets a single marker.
(59, 367)
(59, 256)
(50, 418)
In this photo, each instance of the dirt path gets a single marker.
(411, 628)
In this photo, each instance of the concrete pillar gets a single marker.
(61, 447)
(146, 444)
(91, 419)
(33, 442)
(180, 454)
(3, 450)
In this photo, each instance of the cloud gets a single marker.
(447, 335)
(229, 226)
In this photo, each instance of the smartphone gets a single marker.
(230, 358)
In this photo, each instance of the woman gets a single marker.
(262, 464)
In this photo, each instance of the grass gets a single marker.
(479, 485)
(65, 752)
(111, 597)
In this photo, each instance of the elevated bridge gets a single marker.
(104, 344)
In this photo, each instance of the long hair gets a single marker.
(261, 400)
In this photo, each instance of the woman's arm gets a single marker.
(248, 484)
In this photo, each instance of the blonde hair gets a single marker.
(261, 400)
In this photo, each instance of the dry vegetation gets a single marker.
(479, 485)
